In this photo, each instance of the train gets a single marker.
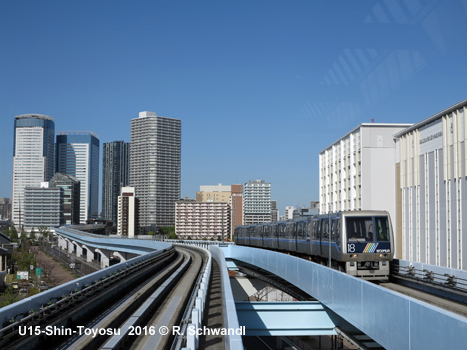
(361, 243)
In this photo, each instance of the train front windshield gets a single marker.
(367, 229)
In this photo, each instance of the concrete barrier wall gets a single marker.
(393, 320)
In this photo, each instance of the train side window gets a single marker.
(316, 229)
(325, 229)
(333, 229)
(338, 232)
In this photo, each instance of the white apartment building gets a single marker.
(432, 192)
(357, 172)
(256, 202)
(202, 220)
(33, 157)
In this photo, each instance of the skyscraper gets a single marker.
(33, 157)
(78, 156)
(71, 198)
(115, 175)
(257, 202)
(155, 167)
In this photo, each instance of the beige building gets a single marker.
(218, 193)
(431, 166)
(232, 194)
(202, 220)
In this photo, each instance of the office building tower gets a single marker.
(115, 175)
(71, 196)
(78, 156)
(155, 168)
(33, 157)
(127, 223)
(43, 207)
(257, 202)
(5, 209)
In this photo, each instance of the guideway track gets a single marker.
(162, 310)
(63, 316)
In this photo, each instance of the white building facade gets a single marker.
(33, 157)
(256, 202)
(357, 172)
(432, 163)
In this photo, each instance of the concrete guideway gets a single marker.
(393, 320)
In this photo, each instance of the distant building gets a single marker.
(127, 223)
(155, 168)
(5, 209)
(257, 202)
(304, 212)
(274, 211)
(202, 220)
(289, 212)
(232, 194)
(115, 175)
(78, 156)
(71, 197)
(218, 193)
(43, 207)
(236, 204)
(33, 157)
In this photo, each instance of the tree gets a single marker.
(13, 234)
(172, 235)
(32, 234)
(44, 233)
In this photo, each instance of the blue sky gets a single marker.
(261, 87)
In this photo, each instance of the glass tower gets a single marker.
(155, 165)
(78, 156)
(33, 157)
(115, 175)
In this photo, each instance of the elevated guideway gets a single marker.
(393, 320)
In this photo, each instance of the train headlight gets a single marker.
(353, 255)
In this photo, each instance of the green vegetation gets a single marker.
(168, 231)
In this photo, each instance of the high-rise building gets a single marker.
(78, 156)
(33, 157)
(257, 202)
(155, 168)
(71, 197)
(127, 223)
(115, 175)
